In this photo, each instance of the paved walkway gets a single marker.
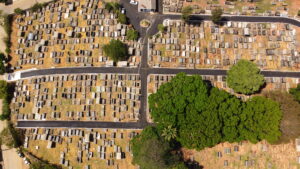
(144, 69)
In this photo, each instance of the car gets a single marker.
(133, 2)
(123, 11)
(20, 154)
(26, 161)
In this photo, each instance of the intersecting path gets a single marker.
(143, 70)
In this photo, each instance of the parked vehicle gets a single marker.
(133, 2)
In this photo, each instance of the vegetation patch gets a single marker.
(244, 77)
(204, 116)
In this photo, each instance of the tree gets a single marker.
(169, 133)
(298, 12)
(260, 120)
(186, 13)
(122, 18)
(216, 15)
(151, 152)
(296, 92)
(7, 138)
(116, 50)
(36, 7)
(112, 6)
(19, 11)
(229, 109)
(244, 77)
(161, 27)
(132, 34)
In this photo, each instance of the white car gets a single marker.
(133, 2)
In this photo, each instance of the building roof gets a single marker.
(147, 4)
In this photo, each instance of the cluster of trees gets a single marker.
(115, 8)
(296, 92)
(7, 25)
(244, 77)
(6, 97)
(116, 50)
(196, 115)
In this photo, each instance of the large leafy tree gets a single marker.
(132, 34)
(244, 77)
(260, 120)
(116, 50)
(3, 89)
(150, 151)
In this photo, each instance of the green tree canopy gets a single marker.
(116, 50)
(296, 92)
(161, 27)
(7, 138)
(122, 18)
(244, 77)
(150, 151)
(186, 13)
(19, 11)
(132, 34)
(260, 120)
(197, 116)
(3, 89)
(216, 15)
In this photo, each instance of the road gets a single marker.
(144, 70)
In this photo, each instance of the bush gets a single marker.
(299, 13)
(112, 6)
(296, 93)
(19, 11)
(244, 77)
(216, 15)
(186, 13)
(132, 34)
(116, 50)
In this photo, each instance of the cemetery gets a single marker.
(82, 148)
(238, 7)
(67, 34)
(103, 97)
(272, 46)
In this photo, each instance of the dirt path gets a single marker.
(23, 4)
(2, 36)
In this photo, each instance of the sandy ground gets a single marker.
(10, 156)
(2, 36)
(23, 4)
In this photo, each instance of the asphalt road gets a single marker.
(135, 17)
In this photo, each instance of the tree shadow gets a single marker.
(193, 165)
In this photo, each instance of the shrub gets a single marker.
(186, 13)
(19, 11)
(217, 15)
(132, 34)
